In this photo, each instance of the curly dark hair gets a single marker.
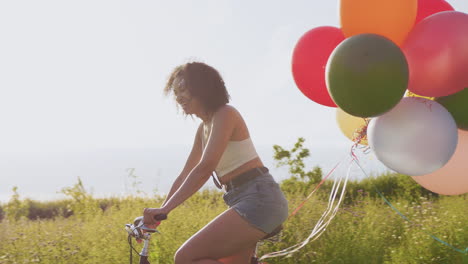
(203, 82)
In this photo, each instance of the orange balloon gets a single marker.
(452, 179)
(392, 19)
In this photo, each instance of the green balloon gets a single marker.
(367, 75)
(457, 105)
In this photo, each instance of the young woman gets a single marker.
(222, 144)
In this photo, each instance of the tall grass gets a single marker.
(365, 230)
(84, 230)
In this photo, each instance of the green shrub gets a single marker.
(15, 209)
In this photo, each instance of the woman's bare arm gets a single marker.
(224, 122)
(192, 161)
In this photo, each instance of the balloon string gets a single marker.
(315, 189)
(356, 160)
(361, 133)
(323, 222)
(321, 225)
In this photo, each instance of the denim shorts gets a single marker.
(260, 201)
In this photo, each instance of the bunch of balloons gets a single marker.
(396, 70)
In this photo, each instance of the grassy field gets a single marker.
(83, 229)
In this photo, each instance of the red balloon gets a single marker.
(430, 7)
(309, 59)
(437, 53)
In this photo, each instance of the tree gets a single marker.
(294, 158)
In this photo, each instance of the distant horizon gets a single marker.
(105, 171)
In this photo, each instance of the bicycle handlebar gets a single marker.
(140, 232)
(160, 217)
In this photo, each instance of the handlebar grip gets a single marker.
(160, 217)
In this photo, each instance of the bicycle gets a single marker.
(143, 233)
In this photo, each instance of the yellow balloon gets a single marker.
(352, 127)
(392, 19)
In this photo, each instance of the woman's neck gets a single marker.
(205, 117)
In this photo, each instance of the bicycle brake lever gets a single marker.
(138, 224)
(147, 229)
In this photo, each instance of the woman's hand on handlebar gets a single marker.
(153, 216)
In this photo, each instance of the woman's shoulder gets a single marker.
(227, 113)
(227, 110)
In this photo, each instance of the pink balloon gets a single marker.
(309, 59)
(430, 7)
(452, 179)
(437, 54)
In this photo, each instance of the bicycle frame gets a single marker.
(144, 251)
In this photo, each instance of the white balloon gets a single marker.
(418, 136)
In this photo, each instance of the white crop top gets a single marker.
(236, 154)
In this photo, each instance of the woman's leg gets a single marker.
(229, 238)
(243, 257)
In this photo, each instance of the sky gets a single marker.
(81, 86)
